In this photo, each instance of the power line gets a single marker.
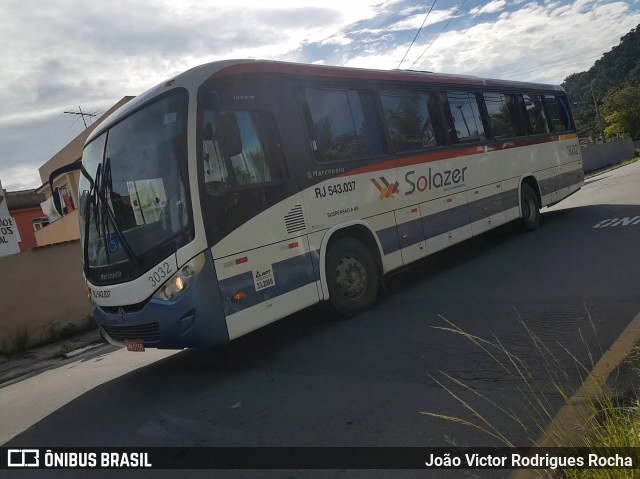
(546, 68)
(418, 33)
(559, 60)
(434, 40)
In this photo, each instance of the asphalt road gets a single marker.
(316, 380)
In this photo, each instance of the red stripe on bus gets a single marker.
(447, 155)
(321, 71)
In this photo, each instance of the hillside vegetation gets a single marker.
(614, 81)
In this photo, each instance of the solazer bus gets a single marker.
(242, 191)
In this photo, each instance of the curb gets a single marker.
(47, 356)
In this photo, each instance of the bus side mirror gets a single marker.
(56, 201)
(231, 141)
(55, 192)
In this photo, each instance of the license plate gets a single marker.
(136, 345)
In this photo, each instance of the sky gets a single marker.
(68, 54)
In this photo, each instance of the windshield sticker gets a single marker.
(263, 278)
(113, 242)
(170, 118)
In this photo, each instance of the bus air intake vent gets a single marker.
(149, 333)
(127, 308)
(294, 220)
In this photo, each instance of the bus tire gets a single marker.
(352, 276)
(530, 212)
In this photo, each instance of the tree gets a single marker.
(620, 107)
(587, 121)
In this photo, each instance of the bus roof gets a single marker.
(228, 68)
(329, 71)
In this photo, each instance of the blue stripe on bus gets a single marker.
(448, 220)
(570, 178)
(389, 239)
(548, 185)
(453, 218)
(289, 274)
(510, 199)
(480, 209)
(413, 232)
(315, 260)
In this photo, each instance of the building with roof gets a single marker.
(24, 207)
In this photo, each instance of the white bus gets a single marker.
(240, 192)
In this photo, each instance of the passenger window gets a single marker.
(465, 115)
(537, 120)
(413, 120)
(503, 115)
(558, 112)
(344, 124)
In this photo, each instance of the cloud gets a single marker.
(70, 53)
(491, 7)
(515, 40)
(414, 22)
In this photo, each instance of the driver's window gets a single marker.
(250, 166)
(256, 163)
(244, 170)
(215, 169)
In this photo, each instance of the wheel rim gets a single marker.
(528, 209)
(351, 277)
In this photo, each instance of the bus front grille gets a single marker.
(149, 333)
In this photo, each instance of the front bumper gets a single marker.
(195, 319)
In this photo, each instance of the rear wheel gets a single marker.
(352, 276)
(530, 211)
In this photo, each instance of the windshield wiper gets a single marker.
(102, 212)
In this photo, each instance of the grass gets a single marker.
(22, 339)
(19, 341)
(57, 333)
(596, 418)
(626, 162)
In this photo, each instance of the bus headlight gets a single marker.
(180, 282)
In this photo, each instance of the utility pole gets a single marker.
(595, 104)
(82, 114)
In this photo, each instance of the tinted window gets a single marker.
(504, 115)
(344, 124)
(558, 112)
(256, 162)
(412, 120)
(465, 114)
(536, 118)
(243, 168)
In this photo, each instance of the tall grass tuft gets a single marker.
(592, 417)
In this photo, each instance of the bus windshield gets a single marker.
(133, 189)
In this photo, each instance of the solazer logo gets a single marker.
(389, 190)
(23, 458)
(445, 180)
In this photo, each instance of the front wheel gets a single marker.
(530, 211)
(352, 276)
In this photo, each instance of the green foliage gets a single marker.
(587, 122)
(64, 350)
(614, 68)
(621, 111)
